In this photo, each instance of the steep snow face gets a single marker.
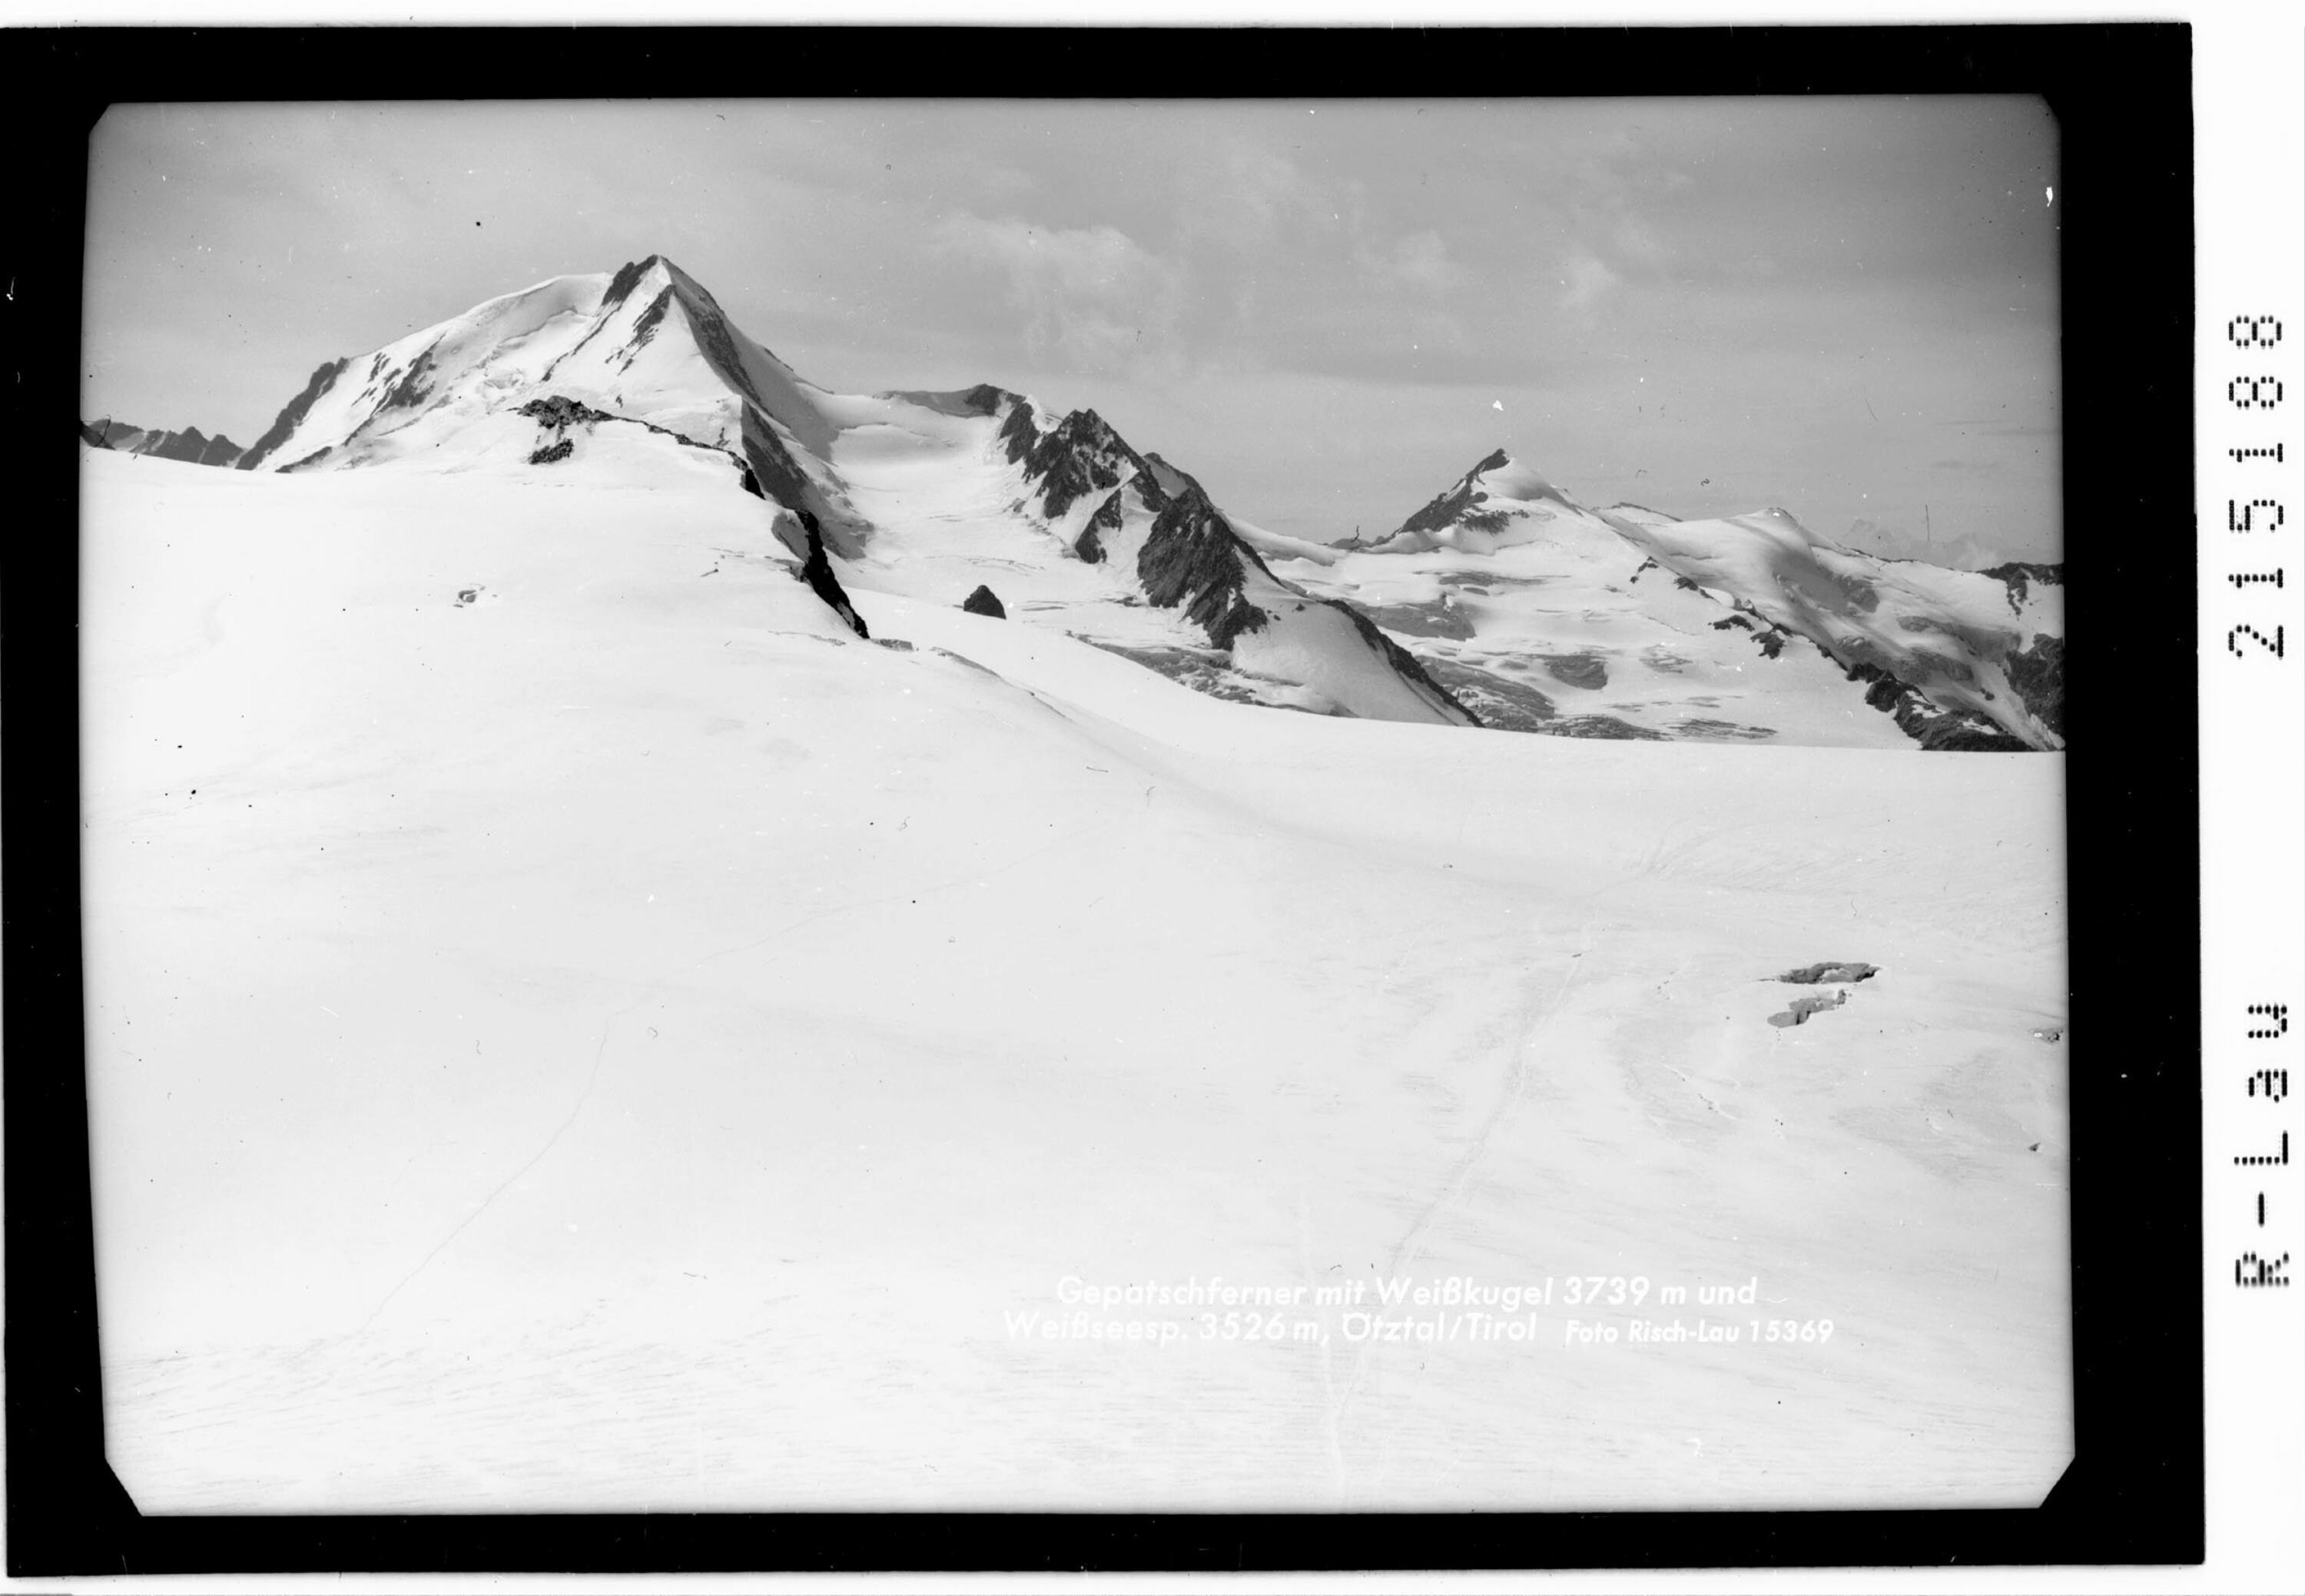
(1551, 617)
(1952, 636)
(647, 344)
(1073, 529)
(573, 1026)
(441, 373)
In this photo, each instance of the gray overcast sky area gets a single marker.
(1325, 311)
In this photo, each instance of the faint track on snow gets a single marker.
(1533, 1020)
(1536, 1017)
(653, 986)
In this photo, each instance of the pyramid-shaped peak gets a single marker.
(1501, 477)
(628, 277)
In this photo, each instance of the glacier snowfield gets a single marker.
(621, 1041)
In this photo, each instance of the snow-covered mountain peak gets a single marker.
(1502, 591)
(632, 373)
(646, 342)
(1754, 626)
(1497, 504)
(1501, 477)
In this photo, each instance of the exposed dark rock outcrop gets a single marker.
(1018, 433)
(1091, 546)
(2037, 673)
(621, 285)
(292, 414)
(644, 326)
(1811, 975)
(1192, 557)
(1803, 1007)
(1938, 729)
(189, 445)
(985, 601)
(2018, 575)
(620, 288)
(1079, 456)
(413, 386)
(816, 570)
(718, 339)
(1578, 670)
(773, 467)
(559, 412)
(219, 450)
(1448, 508)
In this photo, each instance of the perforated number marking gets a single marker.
(2249, 1269)
(2257, 332)
(2281, 1158)
(2274, 642)
(2243, 579)
(2244, 518)
(2276, 1012)
(2262, 393)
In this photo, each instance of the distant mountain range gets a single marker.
(1502, 602)
(1747, 627)
(188, 445)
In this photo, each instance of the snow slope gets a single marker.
(1627, 622)
(539, 374)
(571, 1026)
(1502, 602)
(1073, 529)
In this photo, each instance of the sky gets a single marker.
(1327, 310)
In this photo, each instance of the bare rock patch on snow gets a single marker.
(1815, 975)
(1803, 1007)
(1578, 670)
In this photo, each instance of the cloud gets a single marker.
(1418, 261)
(1093, 298)
(1584, 278)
